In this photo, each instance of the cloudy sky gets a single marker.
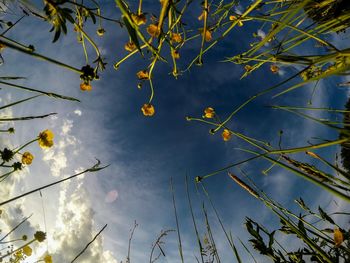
(144, 153)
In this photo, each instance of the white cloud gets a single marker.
(78, 112)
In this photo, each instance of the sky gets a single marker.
(143, 154)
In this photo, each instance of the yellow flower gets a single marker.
(27, 158)
(274, 69)
(153, 30)
(142, 74)
(338, 237)
(226, 135)
(234, 18)
(19, 255)
(209, 113)
(175, 54)
(248, 68)
(40, 236)
(48, 259)
(207, 35)
(85, 86)
(139, 19)
(130, 46)
(27, 251)
(46, 139)
(176, 37)
(147, 109)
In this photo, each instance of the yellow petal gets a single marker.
(338, 237)
(153, 30)
(209, 113)
(142, 75)
(148, 109)
(226, 135)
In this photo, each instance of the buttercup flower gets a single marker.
(48, 259)
(338, 237)
(46, 139)
(153, 30)
(130, 46)
(17, 166)
(6, 155)
(27, 251)
(175, 54)
(248, 68)
(139, 19)
(148, 109)
(207, 35)
(27, 158)
(142, 74)
(226, 135)
(40, 236)
(176, 37)
(274, 69)
(85, 86)
(234, 18)
(209, 113)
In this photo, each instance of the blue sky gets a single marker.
(144, 153)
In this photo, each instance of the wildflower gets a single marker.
(274, 69)
(19, 255)
(27, 251)
(17, 166)
(338, 237)
(147, 109)
(27, 158)
(142, 74)
(176, 37)
(139, 19)
(45, 139)
(85, 86)
(48, 259)
(209, 113)
(88, 73)
(100, 32)
(234, 18)
(207, 35)
(226, 135)
(248, 68)
(6, 155)
(130, 46)
(153, 30)
(175, 54)
(40, 236)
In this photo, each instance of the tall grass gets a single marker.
(289, 26)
